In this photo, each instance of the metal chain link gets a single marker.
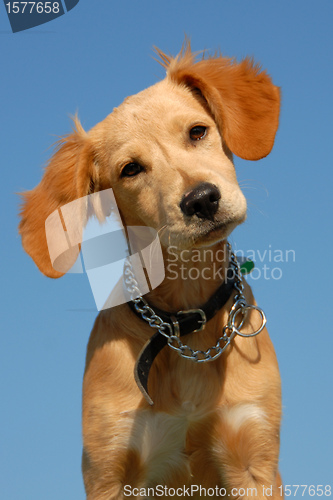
(238, 312)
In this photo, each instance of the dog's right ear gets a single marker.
(68, 176)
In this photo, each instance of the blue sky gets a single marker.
(88, 61)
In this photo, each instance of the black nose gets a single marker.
(202, 201)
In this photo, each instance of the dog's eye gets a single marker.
(131, 169)
(198, 132)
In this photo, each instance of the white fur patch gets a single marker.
(238, 415)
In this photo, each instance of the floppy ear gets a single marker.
(67, 177)
(242, 99)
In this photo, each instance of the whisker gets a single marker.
(253, 184)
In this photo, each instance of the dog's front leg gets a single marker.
(235, 450)
(116, 478)
(247, 451)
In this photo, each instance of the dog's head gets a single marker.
(167, 155)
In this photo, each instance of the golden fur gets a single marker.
(213, 424)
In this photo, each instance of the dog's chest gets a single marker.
(165, 435)
(181, 385)
(161, 440)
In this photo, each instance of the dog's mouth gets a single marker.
(211, 232)
(202, 233)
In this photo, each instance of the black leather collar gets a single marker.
(181, 323)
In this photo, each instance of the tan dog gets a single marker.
(167, 154)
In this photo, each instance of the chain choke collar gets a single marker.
(171, 326)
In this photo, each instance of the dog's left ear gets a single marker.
(242, 99)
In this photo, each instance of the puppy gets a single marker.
(167, 154)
